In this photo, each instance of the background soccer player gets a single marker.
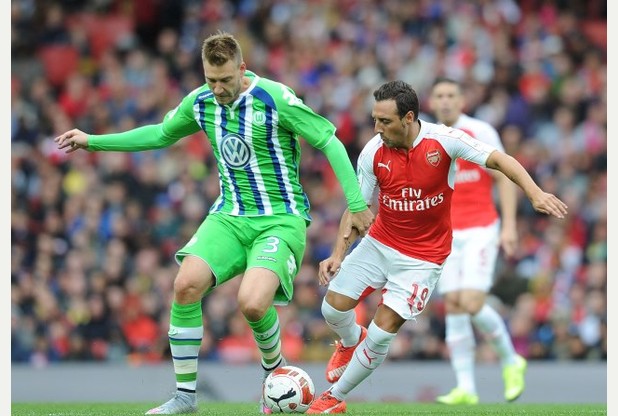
(258, 224)
(478, 233)
(412, 165)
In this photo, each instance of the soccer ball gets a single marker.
(288, 389)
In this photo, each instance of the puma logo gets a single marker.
(370, 359)
(289, 394)
(387, 165)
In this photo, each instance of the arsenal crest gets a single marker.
(433, 157)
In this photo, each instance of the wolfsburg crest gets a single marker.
(259, 118)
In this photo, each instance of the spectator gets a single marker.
(58, 203)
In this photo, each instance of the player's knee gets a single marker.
(330, 313)
(471, 301)
(452, 304)
(339, 302)
(186, 292)
(192, 280)
(189, 288)
(388, 320)
(253, 309)
(472, 306)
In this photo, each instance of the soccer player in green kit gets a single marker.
(257, 226)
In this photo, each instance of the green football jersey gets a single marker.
(256, 144)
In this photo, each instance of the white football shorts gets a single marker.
(406, 283)
(472, 260)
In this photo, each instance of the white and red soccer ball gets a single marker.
(288, 389)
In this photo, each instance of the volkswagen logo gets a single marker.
(235, 151)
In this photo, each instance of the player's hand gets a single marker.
(509, 240)
(327, 269)
(361, 221)
(72, 140)
(548, 204)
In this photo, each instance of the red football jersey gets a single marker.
(415, 188)
(473, 200)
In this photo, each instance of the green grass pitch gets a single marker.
(355, 408)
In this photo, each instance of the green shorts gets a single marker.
(230, 245)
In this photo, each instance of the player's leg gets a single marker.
(371, 352)
(366, 357)
(185, 335)
(459, 333)
(255, 296)
(405, 295)
(273, 261)
(492, 326)
(478, 276)
(199, 258)
(461, 344)
(360, 272)
(341, 318)
(477, 269)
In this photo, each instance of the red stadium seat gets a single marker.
(59, 61)
(103, 31)
(596, 32)
(107, 31)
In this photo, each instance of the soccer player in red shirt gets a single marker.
(411, 163)
(478, 234)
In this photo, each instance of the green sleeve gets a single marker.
(297, 117)
(177, 123)
(141, 138)
(320, 133)
(339, 160)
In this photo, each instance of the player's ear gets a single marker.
(409, 117)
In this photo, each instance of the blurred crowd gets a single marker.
(93, 234)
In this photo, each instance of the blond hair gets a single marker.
(221, 47)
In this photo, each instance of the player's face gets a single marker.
(446, 102)
(393, 129)
(225, 81)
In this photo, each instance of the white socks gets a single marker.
(367, 357)
(343, 323)
(491, 325)
(460, 341)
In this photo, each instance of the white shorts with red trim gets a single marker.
(472, 260)
(406, 283)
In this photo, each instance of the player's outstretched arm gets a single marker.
(149, 137)
(175, 125)
(541, 201)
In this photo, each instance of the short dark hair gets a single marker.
(221, 47)
(404, 95)
(445, 80)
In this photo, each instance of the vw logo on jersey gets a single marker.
(235, 151)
